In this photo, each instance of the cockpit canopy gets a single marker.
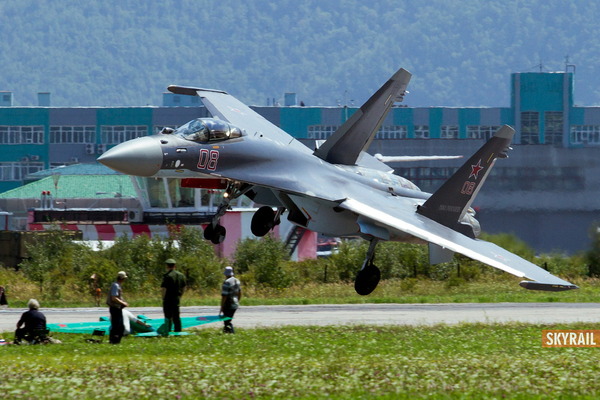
(206, 130)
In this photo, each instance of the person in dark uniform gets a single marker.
(172, 288)
(31, 321)
(231, 294)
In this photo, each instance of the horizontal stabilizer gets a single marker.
(549, 287)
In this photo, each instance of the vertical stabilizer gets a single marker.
(357, 133)
(449, 204)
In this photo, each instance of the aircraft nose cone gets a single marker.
(140, 157)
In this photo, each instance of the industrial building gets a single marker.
(547, 192)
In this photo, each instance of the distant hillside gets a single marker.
(126, 52)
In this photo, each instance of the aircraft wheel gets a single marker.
(219, 234)
(262, 221)
(367, 280)
(216, 235)
(208, 231)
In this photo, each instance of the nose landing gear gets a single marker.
(216, 234)
(214, 231)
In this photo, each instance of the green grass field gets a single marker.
(464, 361)
(502, 288)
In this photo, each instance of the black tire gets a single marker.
(218, 235)
(208, 232)
(262, 221)
(367, 280)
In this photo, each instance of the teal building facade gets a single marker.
(551, 177)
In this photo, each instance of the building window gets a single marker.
(421, 131)
(546, 179)
(72, 134)
(392, 132)
(321, 132)
(530, 127)
(115, 134)
(21, 134)
(585, 134)
(16, 171)
(553, 127)
(481, 131)
(449, 132)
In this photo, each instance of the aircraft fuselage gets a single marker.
(292, 177)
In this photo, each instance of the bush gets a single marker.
(51, 263)
(196, 258)
(511, 243)
(567, 267)
(309, 271)
(262, 261)
(345, 264)
(141, 258)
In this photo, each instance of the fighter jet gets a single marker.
(337, 189)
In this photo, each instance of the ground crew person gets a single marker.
(172, 287)
(231, 293)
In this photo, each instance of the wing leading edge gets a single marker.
(433, 232)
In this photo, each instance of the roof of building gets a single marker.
(75, 169)
(75, 187)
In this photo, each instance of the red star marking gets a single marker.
(475, 170)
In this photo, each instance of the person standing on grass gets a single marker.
(231, 294)
(172, 287)
(116, 304)
(3, 302)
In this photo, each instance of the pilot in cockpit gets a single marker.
(205, 130)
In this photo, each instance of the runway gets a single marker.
(351, 314)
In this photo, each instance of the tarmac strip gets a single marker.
(349, 314)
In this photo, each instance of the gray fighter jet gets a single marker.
(337, 189)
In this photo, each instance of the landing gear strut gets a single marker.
(368, 277)
(264, 220)
(214, 231)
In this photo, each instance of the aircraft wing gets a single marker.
(400, 219)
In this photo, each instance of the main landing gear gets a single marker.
(265, 219)
(214, 231)
(368, 277)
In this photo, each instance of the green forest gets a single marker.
(125, 52)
